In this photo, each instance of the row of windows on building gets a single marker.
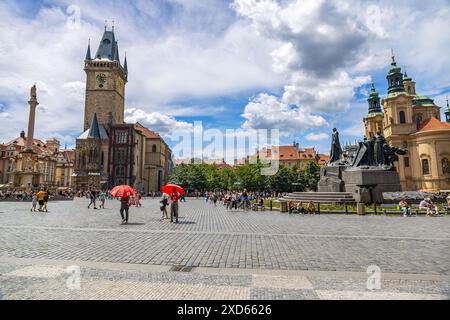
(445, 165)
(122, 138)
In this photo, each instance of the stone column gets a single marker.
(33, 104)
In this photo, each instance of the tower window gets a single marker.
(402, 117)
(425, 167)
(154, 148)
(122, 137)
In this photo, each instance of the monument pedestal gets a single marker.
(368, 185)
(331, 179)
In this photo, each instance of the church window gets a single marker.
(425, 166)
(102, 158)
(419, 120)
(402, 117)
(406, 162)
(445, 166)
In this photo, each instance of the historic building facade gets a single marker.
(412, 121)
(111, 152)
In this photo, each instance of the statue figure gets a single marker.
(445, 166)
(336, 150)
(33, 94)
(378, 149)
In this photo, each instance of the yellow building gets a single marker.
(64, 168)
(412, 121)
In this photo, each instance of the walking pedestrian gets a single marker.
(40, 198)
(102, 199)
(138, 200)
(174, 197)
(164, 202)
(33, 203)
(46, 197)
(93, 198)
(124, 207)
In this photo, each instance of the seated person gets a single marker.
(428, 205)
(291, 206)
(311, 208)
(261, 203)
(405, 208)
(300, 208)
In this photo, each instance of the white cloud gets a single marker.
(267, 112)
(176, 51)
(322, 95)
(158, 122)
(317, 136)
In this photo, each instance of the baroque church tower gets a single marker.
(105, 83)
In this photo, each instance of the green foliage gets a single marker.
(202, 177)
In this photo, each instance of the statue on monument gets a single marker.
(336, 150)
(376, 153)
(33, 94)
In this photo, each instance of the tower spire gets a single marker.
(94, 130)
(393, 57)
(125, 64)
(106, 23)
(88, 53)
(447, 112)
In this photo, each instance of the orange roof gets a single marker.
(69, 155)
(147, 132)
(433, 124)
(308, 153)
(288, 153)
(38, 145)
(323, 158)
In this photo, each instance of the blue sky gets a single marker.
(299, 66)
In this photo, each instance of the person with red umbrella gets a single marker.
(175, 192)
(123, 192)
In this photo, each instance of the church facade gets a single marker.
(111, 152)
(412, 121)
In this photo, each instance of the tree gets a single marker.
(283, 180)
(311, 175)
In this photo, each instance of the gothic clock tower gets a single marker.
(105, 83)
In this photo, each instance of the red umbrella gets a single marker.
(123, 190)
(168, 188)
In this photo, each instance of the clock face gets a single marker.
(101, 80)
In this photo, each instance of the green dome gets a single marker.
(424, 101)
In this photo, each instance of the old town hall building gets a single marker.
(111, 152)
(412, 121)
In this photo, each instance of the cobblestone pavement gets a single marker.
(215, 254)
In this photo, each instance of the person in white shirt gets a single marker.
(431, 208)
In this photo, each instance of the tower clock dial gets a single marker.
(101, 80)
